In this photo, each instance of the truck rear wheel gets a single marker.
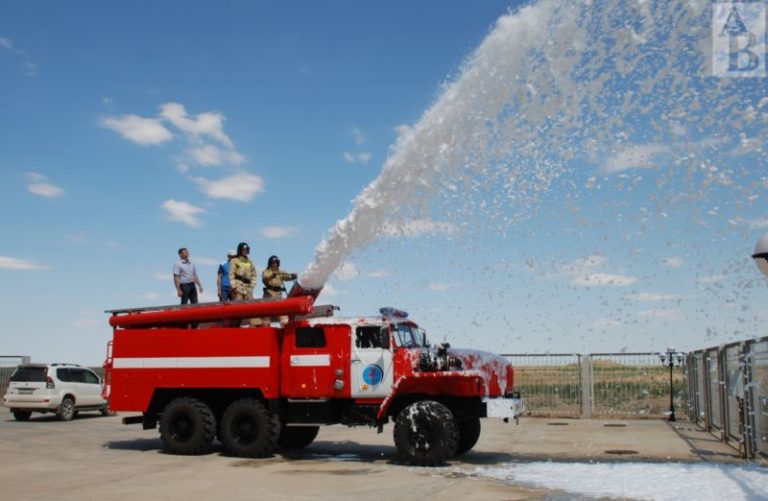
(248, 429)
(187, 426)
(297, 437)
(426, 433)
(469, 433)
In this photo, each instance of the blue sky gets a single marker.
(129, 130)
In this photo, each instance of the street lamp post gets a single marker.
(671, 359)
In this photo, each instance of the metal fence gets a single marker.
(728, 387)
(7, 364)
(622, 385)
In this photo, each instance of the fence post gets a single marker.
(748, 407)
(587, 386)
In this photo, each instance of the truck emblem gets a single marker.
(372, 374)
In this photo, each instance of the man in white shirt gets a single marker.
(185, 277)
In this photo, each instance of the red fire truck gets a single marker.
(202, 375)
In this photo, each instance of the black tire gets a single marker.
(66, 410)
(297, 437)
(187, 426)
(21, 415)
(426, 433)
(469, 433)
(105, 411)
(248, 429)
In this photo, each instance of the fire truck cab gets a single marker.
(200, 375)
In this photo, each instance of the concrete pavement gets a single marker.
(95, 457)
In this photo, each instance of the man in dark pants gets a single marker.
(185, 277)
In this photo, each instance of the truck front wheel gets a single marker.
(469, 433)
(248, 429)
(426, 433)
(297, 437)
(187, 426)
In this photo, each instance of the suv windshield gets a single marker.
(30, 375)
(410, 337)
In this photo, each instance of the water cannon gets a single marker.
(761, 254)
(297, 290)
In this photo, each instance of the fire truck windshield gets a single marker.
(410, 337)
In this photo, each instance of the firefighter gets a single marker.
(273, 278)
(242, 274)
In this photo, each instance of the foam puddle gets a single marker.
(651, 481)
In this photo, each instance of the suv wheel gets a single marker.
(66, 410)
(21, 415)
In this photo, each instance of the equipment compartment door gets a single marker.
(371, 362)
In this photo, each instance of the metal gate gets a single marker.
(729, 393)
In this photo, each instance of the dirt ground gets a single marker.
(96, 457)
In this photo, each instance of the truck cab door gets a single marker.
(371, 362)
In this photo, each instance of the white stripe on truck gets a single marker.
(190, 362)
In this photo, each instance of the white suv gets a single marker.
(61, 388)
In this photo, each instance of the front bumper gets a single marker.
(510, 407)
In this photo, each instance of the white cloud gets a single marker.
(140, 130)
(37, 185)
(653, 296)
(89, 318)
(357, 135)
(241, 187)
(183, 212)
(641, 156)
(754, 223)
(439, 286)
(346, 271)
(673, 262)
(605, 323)
(10, 263)
(207, 261)
(354, 158)
(418, 227)
(152, 296)
(590, 279)
(30, 67)
(378, 274)
(202, 125)
(587, 272)
(277, 232)
(210, 155)
(710, 279)
(661, 313)
(163, 277)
